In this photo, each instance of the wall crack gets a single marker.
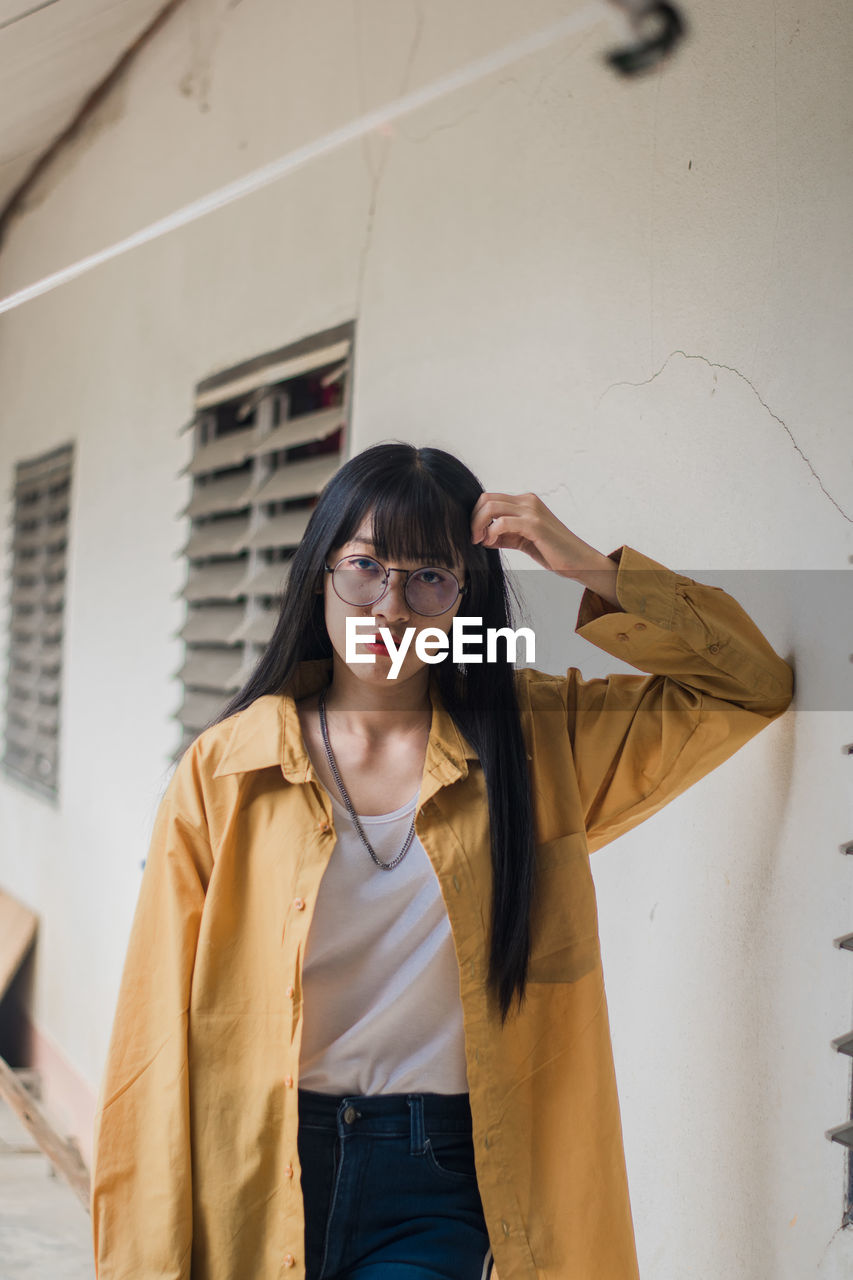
(713, 364)
(388, 132)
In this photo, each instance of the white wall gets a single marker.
(629, 298)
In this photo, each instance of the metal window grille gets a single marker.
(267, 435)
(39, 547)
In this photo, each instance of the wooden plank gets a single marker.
(18, 927)
(63, 1155)
(17, 932)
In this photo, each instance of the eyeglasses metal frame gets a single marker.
(388, 570)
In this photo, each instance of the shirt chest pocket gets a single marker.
(564, 918)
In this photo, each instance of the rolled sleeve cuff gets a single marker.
(645, 589)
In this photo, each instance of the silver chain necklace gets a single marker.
(386, 866)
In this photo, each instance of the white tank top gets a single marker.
(382, 1011)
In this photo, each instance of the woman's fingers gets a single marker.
(522, 522)
(490, 506)
(514, 533)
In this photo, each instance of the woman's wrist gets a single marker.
(592, 570)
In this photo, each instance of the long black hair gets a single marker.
(421, 502)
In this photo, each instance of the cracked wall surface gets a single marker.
(712, 364)
(632, 299)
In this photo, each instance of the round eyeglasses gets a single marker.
(361, 580)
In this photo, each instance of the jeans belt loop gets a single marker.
(417, 1143)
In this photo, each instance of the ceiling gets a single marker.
(53, 55)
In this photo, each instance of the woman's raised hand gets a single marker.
(522, 522)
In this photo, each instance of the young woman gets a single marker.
(362, 1031)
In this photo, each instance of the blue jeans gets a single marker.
(390, 1188)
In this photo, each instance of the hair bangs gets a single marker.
(413, 519)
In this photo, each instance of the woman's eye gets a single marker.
(363, 562)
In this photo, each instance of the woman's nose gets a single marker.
(392, 602)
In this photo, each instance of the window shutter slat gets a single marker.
(45, 472)
(842, 1133)
(212, 669)
(335, 375)
(57, 505)
(225, 451)
(53, 564)
(269, 579)
(51, 632)
(216, 496)
(299, 480)
(37, 538)
(272, 373)
(844, 1044)
(18, 711)
(21, 737)
(281, 531)
(309, 426)
(259, 627)
(224, 537)
(219, 581)
(47, 719)
(44, 750)
(24, 683)
(26, 653)
(218, 625)
(26, 596)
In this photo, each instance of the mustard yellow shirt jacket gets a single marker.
(196, 1171)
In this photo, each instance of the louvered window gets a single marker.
(37, 604)
(843, 1132)
(267, 436)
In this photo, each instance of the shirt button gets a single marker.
(288, 1080)
(505, 1227)
(639, 626)
(322, 826)
(299, 904)
(289, 993)
(623, 635)
(713, 648)
(288, 1171)
(288, 1259)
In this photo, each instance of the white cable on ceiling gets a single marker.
(579, 20)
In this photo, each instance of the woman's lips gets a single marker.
(378, 646)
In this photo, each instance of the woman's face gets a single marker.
(391, 611)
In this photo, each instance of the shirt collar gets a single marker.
(268, 733)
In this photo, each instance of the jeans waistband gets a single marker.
(387, 1113)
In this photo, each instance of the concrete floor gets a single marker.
(45, 1233)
